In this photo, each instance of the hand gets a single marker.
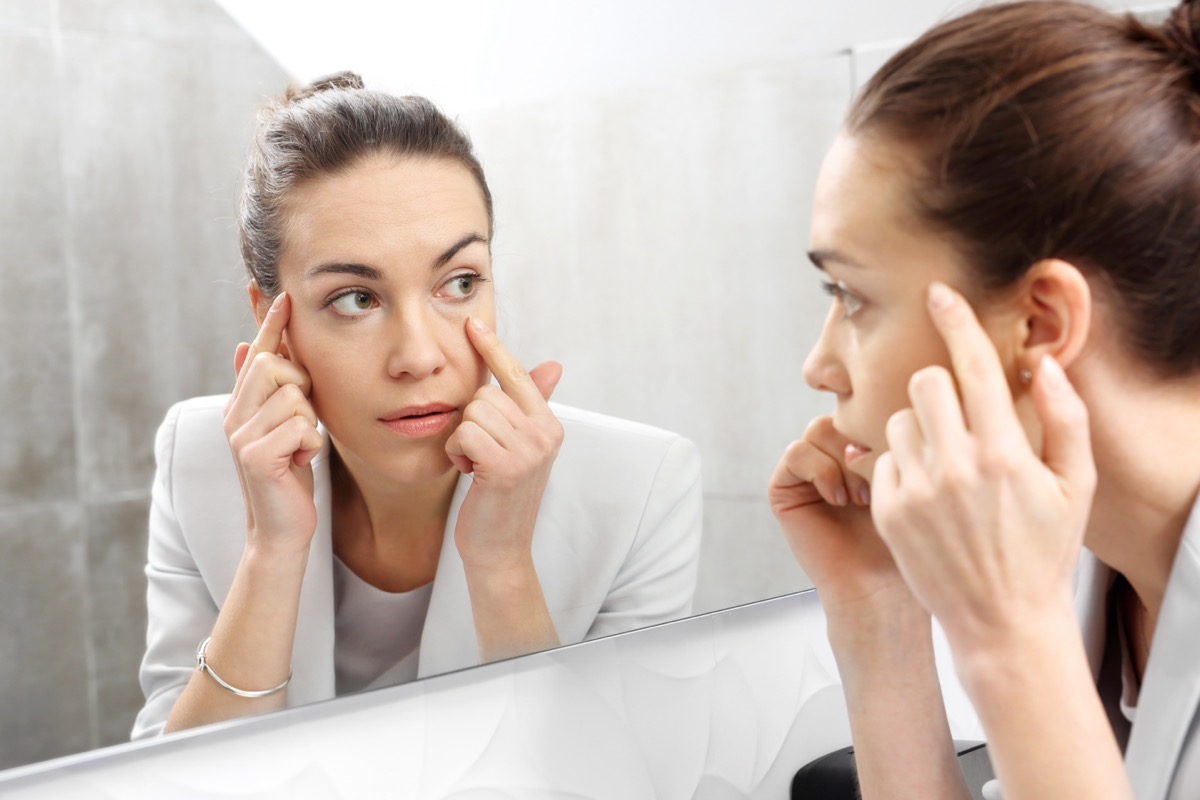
(509, 439)
(824, 511)
(272, 431)
(985, 532)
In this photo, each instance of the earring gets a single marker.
(1026, 377)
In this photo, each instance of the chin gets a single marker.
(414, 468)
(408, 464)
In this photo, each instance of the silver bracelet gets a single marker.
(203, 665)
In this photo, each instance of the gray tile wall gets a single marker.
(126, 124)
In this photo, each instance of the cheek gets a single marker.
(884, 379)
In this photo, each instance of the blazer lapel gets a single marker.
(312, 649)
(448, 639)
(1093, 578)
(1171, 686)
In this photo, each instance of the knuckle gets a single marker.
(997, 462)
(293, 394)
(952, 476)
(927, 379)
(821, 426)
(472, 411)
(490, 392)
(517, 372)
(798, 452)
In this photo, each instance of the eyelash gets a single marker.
(474, 277)
(850, 302)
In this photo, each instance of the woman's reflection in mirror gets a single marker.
(402, 498)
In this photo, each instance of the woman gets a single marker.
(389, 512)
(1014, 344)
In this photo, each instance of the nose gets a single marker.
(824, 369)
(416, 349)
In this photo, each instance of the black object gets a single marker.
(834, 776)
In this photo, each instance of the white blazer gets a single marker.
(615, 545)
(1169, 697)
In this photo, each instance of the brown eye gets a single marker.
(460, 287)
(353, 303)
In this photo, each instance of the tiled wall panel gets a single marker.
(126, 128)
(46, 703)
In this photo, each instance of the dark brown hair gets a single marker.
(1051, 129)
(324, 128)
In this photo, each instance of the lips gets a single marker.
(855, 452)
(419, 422)
(417, 411)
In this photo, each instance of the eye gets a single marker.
(849, 301)
(461, 286)
(352, 303)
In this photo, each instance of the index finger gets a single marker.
(513, 378)
(986, 398)
(270, 334)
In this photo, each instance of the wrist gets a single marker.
(878, 641)
(870, 621)
(1009, 657)
(274, 560)
(501, 579)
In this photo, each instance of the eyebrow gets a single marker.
(820, 258)
(367, 272)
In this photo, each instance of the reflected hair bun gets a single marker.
(338, 80)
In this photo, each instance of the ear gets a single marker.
(259, 302)
(1056, 312)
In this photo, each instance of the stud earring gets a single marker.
(1026, 377)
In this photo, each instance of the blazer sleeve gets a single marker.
(657, 581)
(180, 608)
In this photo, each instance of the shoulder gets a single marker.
(593, 425)
(191, 440)
(197, 422)
(621, 449)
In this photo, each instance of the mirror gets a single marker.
(652, 167)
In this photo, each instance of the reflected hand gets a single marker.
(824, 511)
(272, 431)
(985, 531)
(508, 439)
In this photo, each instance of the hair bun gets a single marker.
(338, 80)
(1179, 32)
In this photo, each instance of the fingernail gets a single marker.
(839, 497)
(1052, 374)
(277, 301)
(864, 495)
(478, 325)
(940, 296)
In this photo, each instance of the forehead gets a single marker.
(380, 207)
(864, 211)
(863, 192)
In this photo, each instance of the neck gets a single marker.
(1146, 441)
(389, 533)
